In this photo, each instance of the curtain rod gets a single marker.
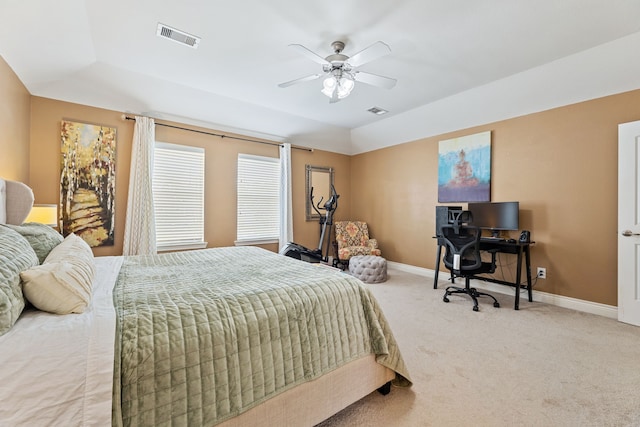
(221, 135)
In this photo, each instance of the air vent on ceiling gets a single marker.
(377, 110)
(177, 36)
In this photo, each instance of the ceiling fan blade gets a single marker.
(375, 51)
(374, 79)
(309, 54)
(301, 80)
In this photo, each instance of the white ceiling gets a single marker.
(494, 55)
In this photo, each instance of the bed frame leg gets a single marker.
(385, 389)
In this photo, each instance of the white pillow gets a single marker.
(63, 283)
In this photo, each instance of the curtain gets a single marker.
(140, 227)
(286, 216)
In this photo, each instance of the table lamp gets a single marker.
(44, 214)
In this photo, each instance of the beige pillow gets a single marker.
(63, 283)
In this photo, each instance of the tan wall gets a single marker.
(220, 170)
(14, 126)
(307, 233)
(46, 116)
(561, 165)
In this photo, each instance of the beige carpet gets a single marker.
(539, 366)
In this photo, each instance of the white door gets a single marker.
(629, 223)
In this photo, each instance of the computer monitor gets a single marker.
(496, 216)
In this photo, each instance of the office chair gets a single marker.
(462, 258)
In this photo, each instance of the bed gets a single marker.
(223, 336)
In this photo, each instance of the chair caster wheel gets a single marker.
(475, 308)
(496, 304)
(445, 299)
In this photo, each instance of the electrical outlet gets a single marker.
(542, 273)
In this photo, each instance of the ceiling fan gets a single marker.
(341, 71)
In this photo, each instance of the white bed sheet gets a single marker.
(58, 370)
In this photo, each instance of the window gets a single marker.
(258, 199)
(178, 196)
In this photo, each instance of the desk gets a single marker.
(505, 247)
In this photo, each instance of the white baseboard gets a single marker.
(545, 297)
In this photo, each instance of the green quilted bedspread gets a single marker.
(205, 335)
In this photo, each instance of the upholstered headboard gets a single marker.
(16, 200)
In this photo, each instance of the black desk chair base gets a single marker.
(471, 292)
(463, 258)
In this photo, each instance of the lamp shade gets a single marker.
(342, 82)
(345, 86)
(329, 85)
(44, 214)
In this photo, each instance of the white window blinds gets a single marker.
(178, 196)
(258, 199)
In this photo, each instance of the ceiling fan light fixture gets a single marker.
(343, 84)
(329, 83)
(329, 86)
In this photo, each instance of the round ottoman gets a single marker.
(368, 268)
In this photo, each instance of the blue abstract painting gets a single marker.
(464, 169)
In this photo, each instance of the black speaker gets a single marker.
(444, 216)
(525, 236)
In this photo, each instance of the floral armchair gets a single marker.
(352, 238)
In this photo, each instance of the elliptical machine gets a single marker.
(321, 253)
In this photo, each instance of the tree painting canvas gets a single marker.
(464, 169)
(87, 182)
